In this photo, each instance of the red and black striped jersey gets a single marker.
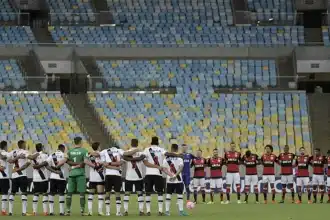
(232, 159)
(286, 162)
(250, 163)
(328, 164)
(199, 167)
(215, 164)
(268, 161)
(302, 163)
(318, 163)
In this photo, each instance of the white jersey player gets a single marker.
(57, 179)
(40, 179)
(134, 176)
(4, 177)
(174, 183)
(19, 158)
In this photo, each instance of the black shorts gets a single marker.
(112, 182)
(152, 181)
(4, 186)
(137, 183)
(93, 185)
(40, 187)
(57, 186)
(174, 188)
(19, 183)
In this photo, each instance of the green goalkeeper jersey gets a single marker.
(77, 155)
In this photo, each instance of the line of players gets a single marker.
(105, 176)
(288, 162)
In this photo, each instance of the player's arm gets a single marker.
(12, 159)
(131, 152)
(171, 154)
(33, 156)
(3, 156)
(26, 165)
(51, 169)
(62, 162)
(109, 166)
(150, 165)
(130, 158)
(89, 163)
(94, 154)
(38, 166)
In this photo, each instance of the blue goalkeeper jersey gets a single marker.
(187, 158)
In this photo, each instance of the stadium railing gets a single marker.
(30, 83)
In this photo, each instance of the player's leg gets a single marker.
(309, 191)
(290, 186)
(328, 186)
(299, 188)
(202, 185)
(45, 197)
(139, 191)
(272, 186)
(61, 187)
(14, 190)
(254, 184)
(100, 197)
(186, 181)
(265, 181)
(4, 185)
(71, 189)
(229, 182)
(23, 183)
(247, 188)
(149, 189)
(36, 191)
(315, 187)
(81, 188)
(52, 193)
(219, 186)
(169, 191)
(128, 190)
(322, 188)
(284, 182)
(91, 192)
(159, 187)
(195, 184)
(117, 188)
(108, 188)
(179, 193)
(237, 182)
(212, 190)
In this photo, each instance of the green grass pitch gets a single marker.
(216, 211)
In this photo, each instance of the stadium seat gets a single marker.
(16, 35)
(11, 75)
(173, 73)
(36, 118)
(7, 13)
(207, 120)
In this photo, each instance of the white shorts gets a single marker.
(216, 183)
(328, 182)
(287, 179)
(251, 180)
(303, 181)
(199, 182)
(268, 179)
(233, 178)
(318, 180)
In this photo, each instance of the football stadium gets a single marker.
(174, 108)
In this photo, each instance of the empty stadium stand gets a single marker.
(6, 12)
(36, 118)
(172, 73)
(207, 120)
(11, 76)
(16, 35)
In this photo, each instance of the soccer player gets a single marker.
(251, 176)
(57, 179)
(199, 163)
(328, 174)
(154, 162)
(40, 179)
(187, 159)
(111, 162)
(215, 163)
(19, 180)
(96, 181)
(268, 161)
(318, 162)
(4, 177)
(174, 183)
(134, 176)
(286, 160)
(302, 163)
(232, 161)
(76, 158)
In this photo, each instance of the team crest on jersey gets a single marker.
(236, 154)
(289, 156)
(305, 159)
(272, 157)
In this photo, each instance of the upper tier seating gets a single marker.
(16, 35)
(171, 11)
(325, 33)
(71, 11)
(207, 120)
(36, 118)
(6, 11)
(172, 73)
(180, 35)
(278, 10)
(11, 75)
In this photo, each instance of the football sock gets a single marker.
(328, 194)
(68, 202)
(180, 202)
(148, 202)
(100, 201)
(203, 194)
(265, 196)
(246, 197)
(82, 202)
(221, 196)
(315, 197)
(90, 202)
(299, 197)
(140, 201)
(168, 202)
(24, 203)
(228, 196)
(257, 197)
(11, 203)
(51, 203)
(195, 195)
(44, 203)
(309, 194)
(61, 200)
(126, 201)
(188, 191)
(4, 201)
(238, 190)
(118, 204)
(35, 203)
(107, 204)
(292, 194)
(160, 202)
(212, 195)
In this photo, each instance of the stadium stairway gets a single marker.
(100, 5)
(84, 114)
(285, 71)
(319, 109)
(241, 12)
(91, 67)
